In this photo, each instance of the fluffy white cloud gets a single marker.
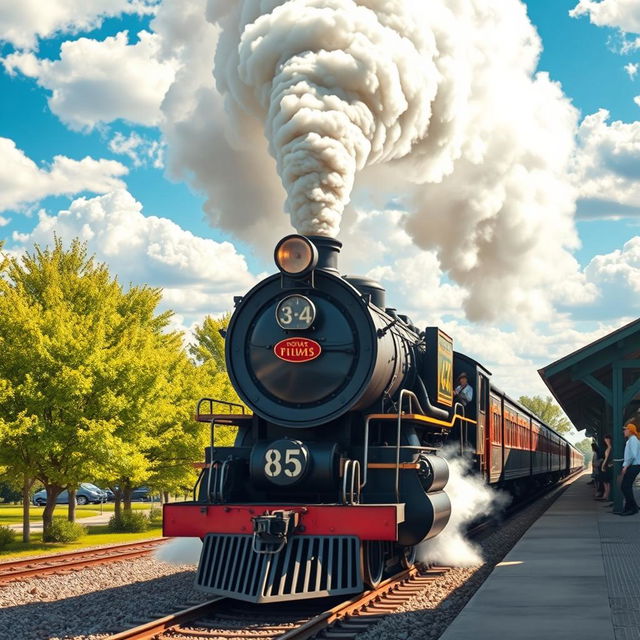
(623, 14)
(229, 165)
(23, 182)
(101, 81)
(607, 167)
(617, 275)
(376, 244)
(140, 150)
(22, 23)
(632, 69)
(514, 357)
(198, 275)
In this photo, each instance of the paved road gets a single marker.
(36, 523)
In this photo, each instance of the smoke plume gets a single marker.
(437, 104)
(342, 84)
(471, 499)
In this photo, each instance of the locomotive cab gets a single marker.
(472, 433)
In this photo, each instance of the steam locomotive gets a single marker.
(337, 474)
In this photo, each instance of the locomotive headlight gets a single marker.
(296, 255)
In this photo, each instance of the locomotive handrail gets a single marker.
(213, 401)
(197, 484)
(212, 468)
(223, 477)
(351, 470)
(411, 396)
(399, 416)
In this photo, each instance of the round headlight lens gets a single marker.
(296, 255)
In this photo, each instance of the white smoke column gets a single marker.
(341, 84)
(471, 498)
(179, 551)
(437, 104)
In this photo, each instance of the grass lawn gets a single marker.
(12, 513)
(96, 536)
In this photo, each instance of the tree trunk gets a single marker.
(26, 505)
(165, 495)
(71, 513)
(126, 499)
(53, 491)
(117, 503)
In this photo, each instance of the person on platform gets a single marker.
(630, 469)
(606, 468)
(596, 461)
(463, 393)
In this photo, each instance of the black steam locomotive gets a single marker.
(335, 476)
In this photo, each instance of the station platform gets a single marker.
(574, 575)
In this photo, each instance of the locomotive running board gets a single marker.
(307, 567)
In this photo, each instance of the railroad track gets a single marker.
(226, 619)
(65, 562)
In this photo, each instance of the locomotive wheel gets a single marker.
(373, 562)
(408, 557)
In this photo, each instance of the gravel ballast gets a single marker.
(96, 602)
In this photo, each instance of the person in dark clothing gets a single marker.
(595, 470)
(606, 468)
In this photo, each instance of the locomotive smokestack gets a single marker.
(328, 250)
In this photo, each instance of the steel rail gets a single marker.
(55, 563)
(153, 628)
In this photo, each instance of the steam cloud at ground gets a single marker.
(179, 551)
(471, 498)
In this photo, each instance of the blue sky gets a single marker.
(143, 145)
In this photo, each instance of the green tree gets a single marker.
(209, 343)
(548, 411)
(584, 446)
(208, 353)
(177, 439)
(77, 381)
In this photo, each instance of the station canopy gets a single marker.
(598, 386)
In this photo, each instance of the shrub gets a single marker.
(7, 536)
(155, 516)
(64, 531)
(129, 522)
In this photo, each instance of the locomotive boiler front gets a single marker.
(305, 346)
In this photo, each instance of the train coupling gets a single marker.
(271, 530)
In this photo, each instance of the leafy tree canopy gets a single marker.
(81, 368)
(548, 411)
(209, 345)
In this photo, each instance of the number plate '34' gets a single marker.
(285, 461)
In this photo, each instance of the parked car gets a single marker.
(86, 493)
(141, 493)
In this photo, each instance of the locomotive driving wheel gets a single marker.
(373, 560)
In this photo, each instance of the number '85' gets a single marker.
(275, 466)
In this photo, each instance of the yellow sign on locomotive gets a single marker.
(445, 369)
